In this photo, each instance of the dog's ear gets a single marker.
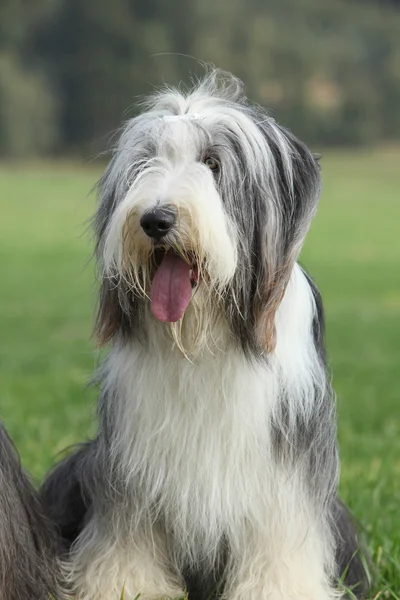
(116, 311)
(295, 189)
(109, 316)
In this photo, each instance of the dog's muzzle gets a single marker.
(175, 273)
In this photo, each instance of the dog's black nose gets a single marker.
(157, 223)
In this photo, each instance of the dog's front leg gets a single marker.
(293, 562)
(108, 567)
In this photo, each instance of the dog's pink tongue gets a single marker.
(171, 289)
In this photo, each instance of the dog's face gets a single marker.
(204, 209)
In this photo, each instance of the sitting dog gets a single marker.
(28, 542)
(215, 468)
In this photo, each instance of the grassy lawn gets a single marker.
(353, 252)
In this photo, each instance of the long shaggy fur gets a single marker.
(215, 467)
(28, 542)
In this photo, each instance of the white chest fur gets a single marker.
(193, 439)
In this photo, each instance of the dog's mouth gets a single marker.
(173, 279)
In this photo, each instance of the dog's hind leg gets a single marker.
(63, 493)
(351, 557)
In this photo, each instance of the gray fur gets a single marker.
(28, 541)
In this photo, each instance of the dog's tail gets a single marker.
(351, 555)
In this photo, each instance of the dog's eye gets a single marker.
(211, 163)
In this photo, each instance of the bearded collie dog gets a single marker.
(215, 467)
(28, 541)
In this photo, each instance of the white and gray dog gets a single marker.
(215, 468)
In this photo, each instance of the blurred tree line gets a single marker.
(70, 69)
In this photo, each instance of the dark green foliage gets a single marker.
(71, 69)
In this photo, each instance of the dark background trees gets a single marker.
(70, 69)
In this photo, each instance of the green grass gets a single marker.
(353, 252)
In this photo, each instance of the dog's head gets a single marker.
(203, 211)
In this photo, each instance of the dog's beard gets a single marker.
(165, 272)
(177, 280)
